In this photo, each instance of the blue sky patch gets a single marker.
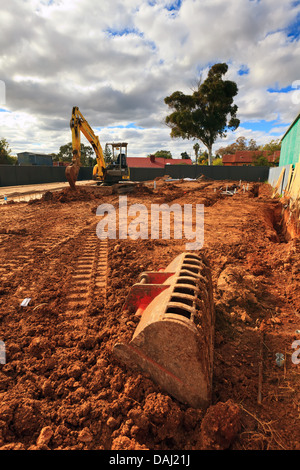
(244, 70)
(123, 32)
(293, 30)
(131, 125)
(286, 89)
(265, 126)
(174, 6)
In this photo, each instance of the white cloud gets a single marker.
(117, 60)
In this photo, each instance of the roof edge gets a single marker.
(292, 125)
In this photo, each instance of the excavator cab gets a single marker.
(121, 160)
(116, 168)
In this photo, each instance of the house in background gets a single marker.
(246, 157)
(290, 144)
(155, 162)
(31, 158)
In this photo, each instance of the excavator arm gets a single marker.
(79, 124)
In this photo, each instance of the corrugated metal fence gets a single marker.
(13, 175)
(235, 173)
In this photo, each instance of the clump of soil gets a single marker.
(68, 195)
(140, 190)
(240, 293)
(220, 426)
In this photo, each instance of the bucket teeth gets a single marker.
(173, 342)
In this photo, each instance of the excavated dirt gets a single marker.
(60, 386)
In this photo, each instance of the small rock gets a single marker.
(45, 436)
(85, 436)
(111, 422)
(47, 389)
(87, 343)
(74, 371)
(38, 346)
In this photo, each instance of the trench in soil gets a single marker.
(284, 223)
(279, 224)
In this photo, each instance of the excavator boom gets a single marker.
(79, 124)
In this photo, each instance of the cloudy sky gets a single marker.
(118, 59)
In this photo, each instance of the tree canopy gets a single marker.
(208, 112)
(240, 144)
(65, 154)
(5, 157)
(185, 156)
(271, 146)
(163, 154)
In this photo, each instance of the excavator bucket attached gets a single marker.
(72, 171)
(173, 341)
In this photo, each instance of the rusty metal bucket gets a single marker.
(173, 342)
(71, 173)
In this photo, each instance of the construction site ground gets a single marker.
(61, 387)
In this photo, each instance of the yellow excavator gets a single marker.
(113, 172)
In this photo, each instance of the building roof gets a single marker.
(33, 153)
(157, 162)
(246, 156)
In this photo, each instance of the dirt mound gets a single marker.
(240, 293)
(68, 195)
(141, 189)
(80, 194)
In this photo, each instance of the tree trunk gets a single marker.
(209, 154)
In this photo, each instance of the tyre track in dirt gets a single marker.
(28, 259)
(64, 282)
(89, 278)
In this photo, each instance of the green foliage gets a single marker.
(12, 160)
(272, 146)
(206, 114)
(196, 148)
(240, 144)
(5, 157)
(87, 154)
(185, 156)
(163, 154)
(217, 161)
(203, 159)
(260, 160)
(107, 153)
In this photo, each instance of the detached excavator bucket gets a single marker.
(72, 174)
(173, 342)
